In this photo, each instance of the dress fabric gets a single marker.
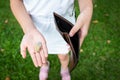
(41, 12)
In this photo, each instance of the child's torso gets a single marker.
(47, 7)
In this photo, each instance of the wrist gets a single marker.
(29, 30)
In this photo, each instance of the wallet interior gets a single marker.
(64, 27)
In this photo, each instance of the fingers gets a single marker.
(42, 54)
(38, 58)
(37, 50)
(44, 47)
(74, 30)
(23, 49)
(23, 52)
(83, 34)
(81, 41)
(77, 26)
(33, 56)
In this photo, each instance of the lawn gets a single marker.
(99, 57)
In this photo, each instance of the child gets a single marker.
(37, 21)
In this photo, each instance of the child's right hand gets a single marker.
(29, 41)
(32, 36)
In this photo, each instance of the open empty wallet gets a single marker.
(64, 26)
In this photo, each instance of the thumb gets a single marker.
(79, 23)
(23, 50)
(74, 30)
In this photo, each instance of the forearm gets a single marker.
(86, 7)
(21, 15)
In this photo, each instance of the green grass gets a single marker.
(100, 59)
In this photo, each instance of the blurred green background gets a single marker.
(100, 53)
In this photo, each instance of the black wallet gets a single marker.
(64, 26)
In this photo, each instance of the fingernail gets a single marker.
(23, 57)
(36, 65)
(40, 65)
(71, 34)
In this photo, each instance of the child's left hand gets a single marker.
(82, 23)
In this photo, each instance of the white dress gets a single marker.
(41, 12)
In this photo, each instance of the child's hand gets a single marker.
(83, 20)
(29, 42)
